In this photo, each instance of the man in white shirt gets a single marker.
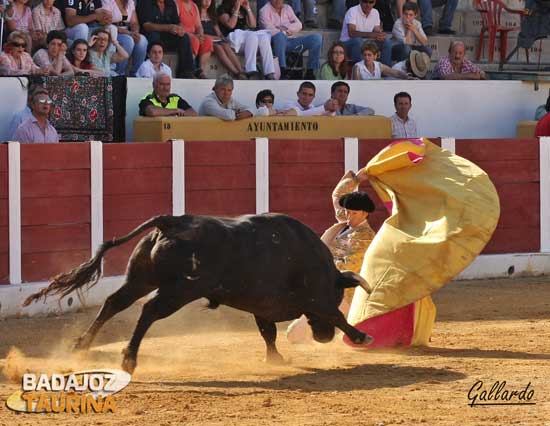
(361, 24)
(304, 105)
(220, 103)
(402, 126)
(154, 64)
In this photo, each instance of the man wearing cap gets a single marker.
(402, 126)
(417, 65)
(348, 239)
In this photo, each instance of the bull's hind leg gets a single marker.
(268, 330)
(115, 303)
(160, 306)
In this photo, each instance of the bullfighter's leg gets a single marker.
(115, 303)
(268, 331)
(337, 319)
(162, 305)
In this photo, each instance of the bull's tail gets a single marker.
(89, 273)
(348, 279)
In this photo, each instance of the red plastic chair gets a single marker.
(491, 13)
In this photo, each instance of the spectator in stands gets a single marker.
(160, 22)
(456, 67)
(446, 21)
(100, 54)
(53, 58)
(304, 104)
(408, 34)
(279, 19)
(154, 64)
(369, 68)
(362, 23)
(14, 60)
(402, 126)
(26, 112)
(82, 16)
(45, 18)
(18, 17)
(339, 91)
(161, 103)
(37, 128)
(336, 66)
(220, 103)
(264, 104)
(200, 43)
(79, 57)
(237, 23)
(309, 18)
(222, 48)
(543, 126)
(416, 65)
(126, 30)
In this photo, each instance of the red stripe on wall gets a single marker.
(57, 156)
(55, 183)
(306, 151)
(137, 181)
(490, 149)
(55, 210)
(136, 155)
(45, 238)
(220, 178)
(43, 266)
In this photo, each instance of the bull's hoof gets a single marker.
(129, 362)
(275, 359)
(364, 340)
(80, 345)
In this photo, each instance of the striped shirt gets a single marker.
(403, 129)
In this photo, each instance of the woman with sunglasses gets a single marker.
(336, 66)
(79, 58)
(15, 60)
(264, 103)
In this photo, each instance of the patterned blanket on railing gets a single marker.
(83, 107)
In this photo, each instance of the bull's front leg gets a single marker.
(268, 330)
(358, 337)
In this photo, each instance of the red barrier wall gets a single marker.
(55, 209)
(302, 175)
(513, 166)
(137, 184)
(4, 223)
(220, 177)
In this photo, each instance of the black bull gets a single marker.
(270, 265)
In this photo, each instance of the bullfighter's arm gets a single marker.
(347, 184)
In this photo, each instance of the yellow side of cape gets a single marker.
(444, 210)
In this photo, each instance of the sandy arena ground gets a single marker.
(203, 367)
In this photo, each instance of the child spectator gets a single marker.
(336, 67)
(79, 57)
(154, 64)
(100, 54)
(222, 48)
(53, 58)
(45, 18)
(408, 34)
(369, 68)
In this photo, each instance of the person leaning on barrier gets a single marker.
(220, 103)
(37, 128)
(265, 100)
(339, 91)
(161, 103)
(543, 126)
(304, 104)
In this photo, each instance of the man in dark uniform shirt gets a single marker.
(82, 15)
(162, 103)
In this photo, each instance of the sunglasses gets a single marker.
(45, 101)
(267, 101)
(368, 1)
(23, 45)
(337, 52)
